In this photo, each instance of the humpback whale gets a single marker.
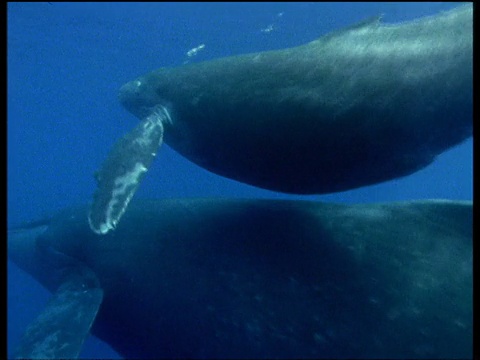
(356, 107)
(224, 278)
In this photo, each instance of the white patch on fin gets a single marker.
(125, 187)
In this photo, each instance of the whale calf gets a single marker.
(359, 106)
(224, 278)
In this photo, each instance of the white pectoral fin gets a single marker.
(61, 329)
(122, 171)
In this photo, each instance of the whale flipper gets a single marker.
(60, 330)
(122, 171)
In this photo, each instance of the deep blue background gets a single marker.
(66, 62)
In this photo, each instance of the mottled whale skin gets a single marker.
(356, 107)
(210, 278)
(363, 105)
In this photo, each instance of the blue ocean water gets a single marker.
(66, 62)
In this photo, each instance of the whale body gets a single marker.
(356, 107)
(213, 278)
